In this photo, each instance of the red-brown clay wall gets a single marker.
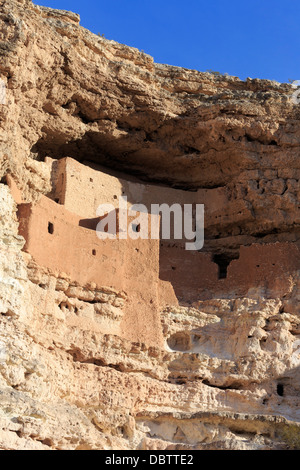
(82, 189)
(129, 265)
(152, 276)
(190, 273)
(194, 276)
(268, 265)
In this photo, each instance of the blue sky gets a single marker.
(256, 38)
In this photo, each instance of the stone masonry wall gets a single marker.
(56, 241)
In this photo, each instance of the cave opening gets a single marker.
(280, 390)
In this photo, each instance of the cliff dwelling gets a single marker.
(60, 234)
(138, 343)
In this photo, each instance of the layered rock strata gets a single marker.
(225, 374)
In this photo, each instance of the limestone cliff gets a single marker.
(225, 371)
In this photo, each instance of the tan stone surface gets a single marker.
(69, 381)
(72, 373)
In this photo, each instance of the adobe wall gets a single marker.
(128, 265)
(81, 189)
(180, 274)
(153, 276)
(189, 272)
(194, 276)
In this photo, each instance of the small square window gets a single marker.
(50, 228)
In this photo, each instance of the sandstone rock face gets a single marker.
(74, 373)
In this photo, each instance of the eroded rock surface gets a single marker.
(227, 374)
